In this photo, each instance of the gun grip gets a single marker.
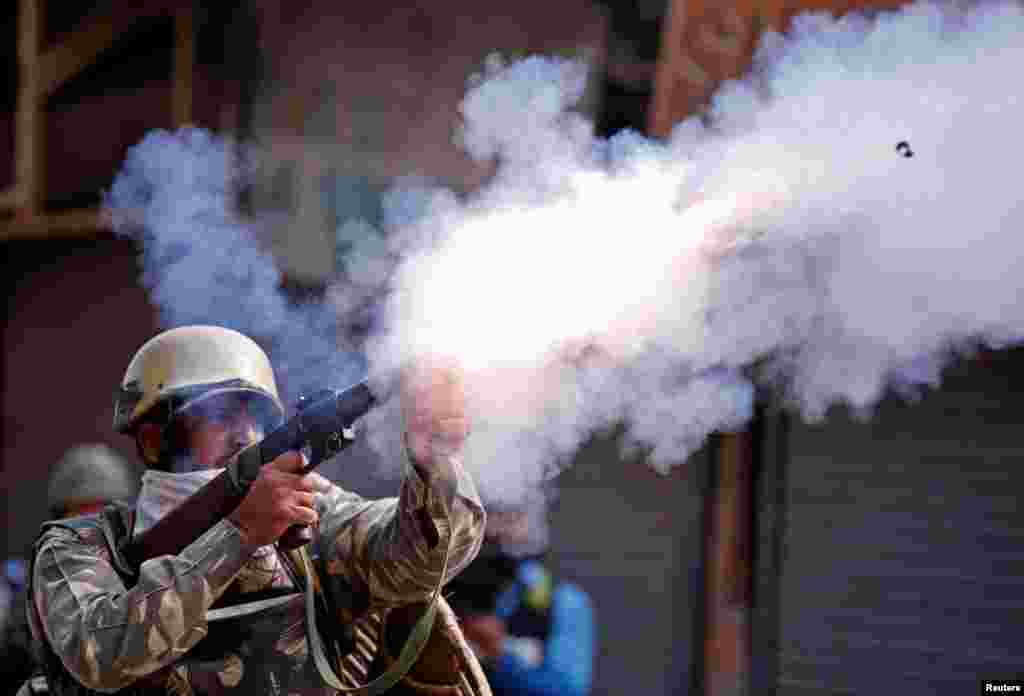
(295, 536)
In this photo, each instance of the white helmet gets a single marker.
(180, 367)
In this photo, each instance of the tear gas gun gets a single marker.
(321, 427)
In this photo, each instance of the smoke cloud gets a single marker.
(843, 221)
(202, 264)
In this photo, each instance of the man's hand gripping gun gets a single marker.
(321, 428)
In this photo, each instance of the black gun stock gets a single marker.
(322, 426)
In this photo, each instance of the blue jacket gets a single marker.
(566, 665)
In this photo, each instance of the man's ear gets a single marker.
(149, 438)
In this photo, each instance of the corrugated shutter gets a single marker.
(631, 538)
(903, 554)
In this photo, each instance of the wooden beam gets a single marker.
(82, 47)
(82, 223)
(28, 125)
(670, 54)
(728, 569)
(184, 65)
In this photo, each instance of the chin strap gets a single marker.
(411, 651)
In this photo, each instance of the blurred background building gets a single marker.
(846, 557)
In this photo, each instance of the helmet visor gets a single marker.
(226, 406)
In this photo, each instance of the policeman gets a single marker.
(192, 398)
(86, 478)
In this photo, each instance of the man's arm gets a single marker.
(394, 547)
(107, 635)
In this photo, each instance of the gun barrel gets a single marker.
(315, 423)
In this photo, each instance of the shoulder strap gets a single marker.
(338, 638)
(117, 531)
(410, 652)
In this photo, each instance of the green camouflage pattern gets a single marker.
(150, 636)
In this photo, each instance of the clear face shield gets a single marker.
(207, 432)
(235, 410)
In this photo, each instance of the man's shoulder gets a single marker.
(116, 516)
(85, 529)
(102, 530)
(85, 539)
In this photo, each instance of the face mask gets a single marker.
(161, 492)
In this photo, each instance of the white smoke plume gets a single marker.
(843, 221)
(202, 263)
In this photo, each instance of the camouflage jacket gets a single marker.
(151, 634)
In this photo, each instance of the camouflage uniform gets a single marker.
(144, 634)
(88, 473)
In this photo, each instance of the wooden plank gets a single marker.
(28, 124)
(84, 223)
(728, 570)
(83, 46)
(671, 53)
(184, 65)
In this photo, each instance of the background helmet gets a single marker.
(181, 367)
(90, 473)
